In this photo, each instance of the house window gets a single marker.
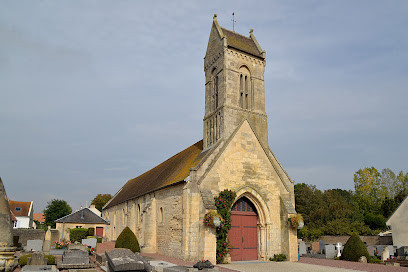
(18, 209)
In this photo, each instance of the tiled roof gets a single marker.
(84, 215)
(39, 217)
(241, 43)
(172, 171)
(20, 208)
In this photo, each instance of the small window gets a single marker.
(161, 215)
(18, 209)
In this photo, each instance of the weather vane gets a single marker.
(233, 21)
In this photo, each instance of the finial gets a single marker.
(215, 16)
(250, 31)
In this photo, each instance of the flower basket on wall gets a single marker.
(212, 219)
(296, 221)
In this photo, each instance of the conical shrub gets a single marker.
(127, 239)
(354, 249)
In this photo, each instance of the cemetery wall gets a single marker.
(64, 228)
(368, 240)
(33, 234)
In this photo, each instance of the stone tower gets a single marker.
(234, 85)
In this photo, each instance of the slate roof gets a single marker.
(85, 216)
(241, 43)
(20, 208)
(170, 172)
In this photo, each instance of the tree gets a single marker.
(56, 209)
(127, 239)
(368, 189)
(100, 200)
(388, 181)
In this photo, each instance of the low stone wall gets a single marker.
(368, 240)
(33, 234)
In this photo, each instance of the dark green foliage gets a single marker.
(278, 258)
(374, 259)
(388, 206)
(77, 234)
(224, 203)
(100, 200)
(354, 249)
(99, 240)
(91, 231)
(22, 261)
(56, 209)
(375, 221)
(127, 239)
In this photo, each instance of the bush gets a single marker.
(91, 231)
(22, 261)
(278, 258)
(77, 234)
(127, 239)
(99, 240)
(354, 249)
(374, 259)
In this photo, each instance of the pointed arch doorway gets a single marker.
(243, 236)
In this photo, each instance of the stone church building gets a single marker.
(166, 205)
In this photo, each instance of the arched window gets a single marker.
(161, 215)
(244, 88)
(214, 90)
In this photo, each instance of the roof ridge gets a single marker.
(236, 33)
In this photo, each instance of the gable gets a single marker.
(242, 162)
(242, 43)
(172, 171)
(400, 215)
(215, 42)
(84, 215)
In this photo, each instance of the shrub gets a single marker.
(375, 221)
(127, 239)
(77, 234)
(354, 249)
(99, 240)
(278, 258)
(91, 231)
(374, 259)
(22, 261)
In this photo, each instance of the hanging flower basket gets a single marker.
(296, 221)
(212, 219)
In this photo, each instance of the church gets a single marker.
(165, 207)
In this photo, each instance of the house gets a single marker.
(23, 211)
(39, 217)
(398, 223)
(165, 207)
(83, 218)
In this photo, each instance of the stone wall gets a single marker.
(368, 240)
(64, 228)
(33, 234)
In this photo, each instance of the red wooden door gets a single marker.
(243, 236)
(99, 231)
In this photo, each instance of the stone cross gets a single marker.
(338, 246)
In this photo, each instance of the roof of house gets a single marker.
(170, 172)
(13, 218)
(20, 208)
(84, 215)
(400, 206)
(242, 43)
(39, 217)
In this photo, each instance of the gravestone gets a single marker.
(39, 268)
(339, 247)
(380, 250)
(302, 248)
(371, 250)
(75, 256)
(402, 251)
(37, 258)
(330, 251)
(77, 246)
(34, 245)
(181, 269)
(391, 250)
(321, 246)
(385, 255)
(123, 259)
(90, 242)
(315, 247)
(47, 241)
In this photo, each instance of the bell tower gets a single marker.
(234, 68)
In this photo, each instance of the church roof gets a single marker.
(242, 43)
(170, 172)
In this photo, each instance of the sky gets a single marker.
(94, 93)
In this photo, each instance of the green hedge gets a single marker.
(354, 249)
(127, 239)
(77, 234)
